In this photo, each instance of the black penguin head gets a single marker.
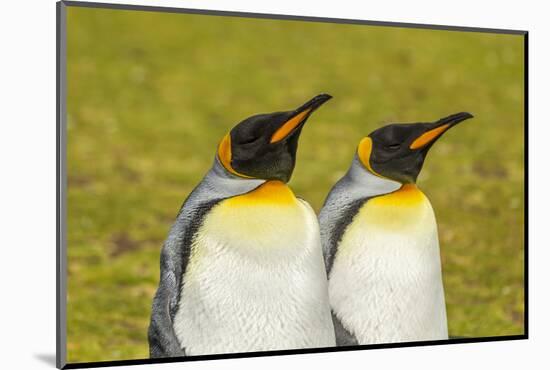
(397, 151)
(264, 146)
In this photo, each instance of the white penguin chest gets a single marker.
(255, 279)
(385, 284)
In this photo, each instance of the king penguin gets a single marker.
(242, 267)
(380, 241)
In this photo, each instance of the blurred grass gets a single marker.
(151, 94)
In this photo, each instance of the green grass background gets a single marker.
(151, 94)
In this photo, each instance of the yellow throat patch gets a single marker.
(407, 196)
(267, 218)
(271, 192)
(405, 207)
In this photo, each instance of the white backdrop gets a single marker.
(27, 194)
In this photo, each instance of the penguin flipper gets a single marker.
(334, 226)
(218, 184)
(174, 258)
(162, 337)
(343, 336)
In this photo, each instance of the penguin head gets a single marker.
(397, 151)
(264, 146)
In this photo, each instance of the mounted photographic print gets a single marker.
(235, 184)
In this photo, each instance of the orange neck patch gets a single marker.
(224, 154)
(363, 151)
(270, 192)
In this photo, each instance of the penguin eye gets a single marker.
(393, 146)
(248, 140)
